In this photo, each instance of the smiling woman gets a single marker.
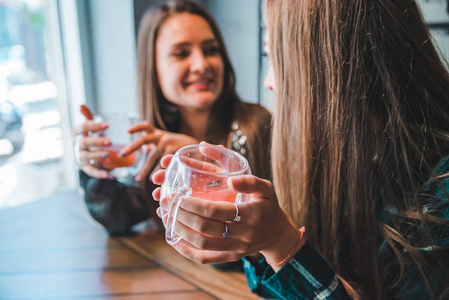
(186, 94)
(189, 65)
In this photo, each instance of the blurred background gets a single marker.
(56, 55)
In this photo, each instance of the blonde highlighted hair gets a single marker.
(361, 121)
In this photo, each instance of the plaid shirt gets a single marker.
(308, 276)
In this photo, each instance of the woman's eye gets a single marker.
(181, 54)
(212, 51)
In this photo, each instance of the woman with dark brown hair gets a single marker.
(360, 158)
(186, 94)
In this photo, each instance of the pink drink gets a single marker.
(212, 188)
(113, 161)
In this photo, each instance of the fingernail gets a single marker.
(138, 178)
(163, 203)
(234, 182)
(106, 143)
(104, 125)
(105, 176)
(120, 153)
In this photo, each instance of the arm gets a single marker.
(264, 228)
(306, 276)
(430, 239)
(117, 207)
(111, 203)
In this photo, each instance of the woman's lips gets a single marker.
(201, 85)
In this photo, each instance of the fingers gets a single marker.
(155, 169)
(86, 112)
(144, 140)
(164, 218)
(204, 166)
(204, 257)
(204, 143)
(92, 158)
(159, 177)
(212, 151)
(225, 159)
(249, 184)
(94, 172)
(152, 158)
(88, 142)
(205, 242)
(90, 126)
(216, 210)
(156, 194)
(165, 161)
(206, 226)
(125, 151)
(142, 126)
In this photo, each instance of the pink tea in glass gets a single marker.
(212, 188)
(200, 171)
(113, 161)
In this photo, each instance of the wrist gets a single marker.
(286, 247)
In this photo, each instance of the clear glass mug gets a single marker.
(126, 166)
(201, 171)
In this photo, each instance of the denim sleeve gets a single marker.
(306, 276)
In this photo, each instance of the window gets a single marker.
(32, 151)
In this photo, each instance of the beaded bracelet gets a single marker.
(289, 255)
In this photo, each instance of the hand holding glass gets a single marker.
(117, 165)
(201, 171)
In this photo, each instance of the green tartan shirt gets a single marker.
(308, 276)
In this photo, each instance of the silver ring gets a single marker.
(226, 232)
(237, 217)
(92, 161)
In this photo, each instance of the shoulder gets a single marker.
(442, 167)
(253, 115)
(256, 109)
(435, 203)
(438, 181)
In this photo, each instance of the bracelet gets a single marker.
(289, 255)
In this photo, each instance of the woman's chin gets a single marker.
(203, 100)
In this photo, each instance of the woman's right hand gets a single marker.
(263, 228)
(160, 143)
(87, 146)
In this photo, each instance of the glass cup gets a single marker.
(126, 166)
(200, 171)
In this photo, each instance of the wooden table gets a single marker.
(52, 249)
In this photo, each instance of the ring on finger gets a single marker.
(226, 232)
(92, 161)
(237, 218)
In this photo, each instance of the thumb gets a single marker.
(250, 184)
(86, 112)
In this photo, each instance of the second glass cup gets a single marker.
(200, 171)
(126, 166)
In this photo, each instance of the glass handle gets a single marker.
(170, 236)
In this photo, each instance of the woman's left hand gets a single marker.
(160, 143)
(264, 227)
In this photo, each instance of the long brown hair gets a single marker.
(254, 121)
(361, 121)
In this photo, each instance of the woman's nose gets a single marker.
(199, 62)
(270, 82)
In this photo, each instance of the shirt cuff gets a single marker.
(306, 276)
